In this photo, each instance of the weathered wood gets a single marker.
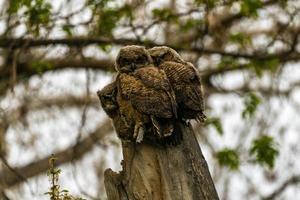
(162, 172)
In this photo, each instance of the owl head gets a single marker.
(132, 57)
(108, 99)
(162, 54)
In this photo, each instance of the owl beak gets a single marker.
(127, 68)
(133, 66)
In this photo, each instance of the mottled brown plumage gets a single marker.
(185, 81)
(147, 89)
(109, 100)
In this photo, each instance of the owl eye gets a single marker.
(140, 60)
(108, 96)
(163, 56)
(125, 61)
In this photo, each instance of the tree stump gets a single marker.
(157, 172)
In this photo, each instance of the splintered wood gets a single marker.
(162, 172)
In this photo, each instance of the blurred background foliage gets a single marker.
(55, 55)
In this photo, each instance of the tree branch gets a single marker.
(8, 178)
(14, 43)
(26, 68)
(291, 181)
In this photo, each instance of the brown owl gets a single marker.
(146, 89)
(108, 99)
(184, 79)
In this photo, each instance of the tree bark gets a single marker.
(158, 172)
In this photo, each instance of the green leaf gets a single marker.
(251, 103)
(265, 150)
(40, 66)
(229, 158)
(190, 24)
(67, 29)
(259, 66)
(15, 5)
(228, 62)
(109, 18)
(164, 14)
(250, 7)
(240, 38)
(37, 14)
(106, 47)
(216, 123)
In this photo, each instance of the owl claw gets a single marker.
(138, 133)
(140, 136)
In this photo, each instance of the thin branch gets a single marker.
(81, 41)
(11, 169)
(291, 181)
(9, 179)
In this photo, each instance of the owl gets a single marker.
(108, 98)
(147, 90)
(184, 79)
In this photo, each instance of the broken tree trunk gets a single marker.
(162, 172)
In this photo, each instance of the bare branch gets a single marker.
(291, 181)
(26, 68)
(77, 42)
(9, 179)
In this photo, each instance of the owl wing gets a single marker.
(153, 77)
(145, 99)
(156, 79)
(186, 82)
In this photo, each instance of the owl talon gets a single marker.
(140, 136)
(138, 133)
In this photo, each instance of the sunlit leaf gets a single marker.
(265, 150)
(229, 158)
(15, 5)
(240, 38)
(68, 30)
(260, 66)
(190, 24)
(251, 103)
(40, 66)
(250, 7)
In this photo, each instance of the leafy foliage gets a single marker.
(40, 66)
(265, 150)
(15, 5)
(251, 103)
(229, 158)
(209, 3)
(240, 38)
(250, 7)
(164, 14)
(260, 66)
(67, 29)
(190, 24)
(54, 191)
(216, 123)
(109, 18)
(37, 13)
(228, 62)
